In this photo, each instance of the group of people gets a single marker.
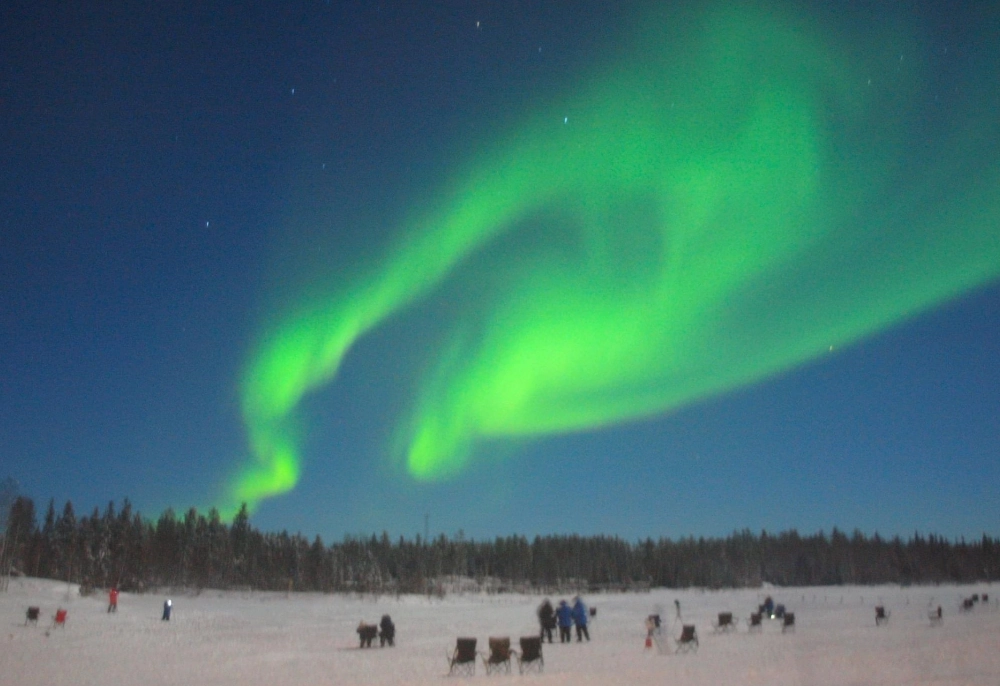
(385, 630)
(565, 617)
(113, 604)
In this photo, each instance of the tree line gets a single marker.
(117, 546)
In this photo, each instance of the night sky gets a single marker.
(516, 267)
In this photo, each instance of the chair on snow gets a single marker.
(530, 656)
(60, 618)
(463, 659)
(788, 622)
(499, 658)
(755, 623)
(725, 623)
(688, 641)
(936, 617)
(31, 615)
(881, 615)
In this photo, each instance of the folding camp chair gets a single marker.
(725, 623)
(31, 615)
(530, 656)
(881, 615)
(60, 618)
(463, 659)
(499, 658)
(688, 642)
(788, 622)
(755, 622)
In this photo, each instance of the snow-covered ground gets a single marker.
(243, 639)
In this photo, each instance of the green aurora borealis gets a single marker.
(741, 193)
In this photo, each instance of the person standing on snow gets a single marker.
(167, 606)
(547, 619)
(580, 619)
(113, 599)
(387, 631)
(565, 616)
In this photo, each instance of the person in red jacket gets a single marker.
(113, 599)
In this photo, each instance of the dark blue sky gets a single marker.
(171, 173)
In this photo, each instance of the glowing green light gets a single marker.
(738, 205)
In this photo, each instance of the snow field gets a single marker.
(245, 639)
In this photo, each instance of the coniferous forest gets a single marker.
(118, 546)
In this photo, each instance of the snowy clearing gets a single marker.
(243, 639)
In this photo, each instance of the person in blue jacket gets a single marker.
(580, 619)
(565, 617)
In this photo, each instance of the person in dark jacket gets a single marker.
(580, 619)
(547, 619)
(387, 631)
(564, 615)
(167, 607)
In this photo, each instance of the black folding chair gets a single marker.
(530, 656)
(463, 659)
